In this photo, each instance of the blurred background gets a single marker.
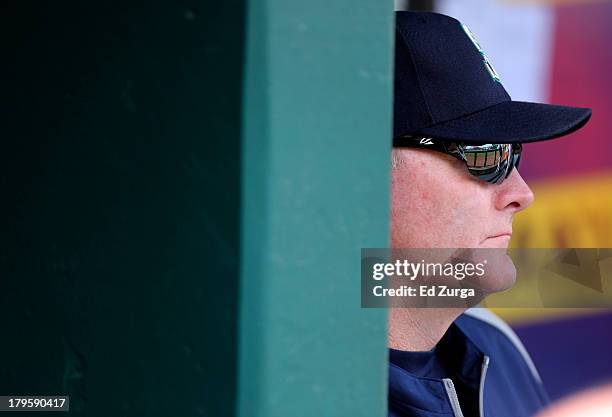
(556, 52)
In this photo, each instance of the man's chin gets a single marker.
(500, 274)
(499, 270)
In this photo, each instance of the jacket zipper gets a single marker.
(452, 396)
(483, 375)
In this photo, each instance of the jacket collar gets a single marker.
(462, 361)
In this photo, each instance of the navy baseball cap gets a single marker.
(446, 88)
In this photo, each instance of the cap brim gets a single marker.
(510, 122)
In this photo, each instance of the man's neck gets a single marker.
(419, 329)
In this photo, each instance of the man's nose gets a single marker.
(514, 193)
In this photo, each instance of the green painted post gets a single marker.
(315, 178)
(181, 232)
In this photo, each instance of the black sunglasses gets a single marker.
(492, 162)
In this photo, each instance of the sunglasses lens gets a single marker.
(492, 162)
(516, 157)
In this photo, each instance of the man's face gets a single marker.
(437, 203)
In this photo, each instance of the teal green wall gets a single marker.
(316, 152)
(186, 188)
(120, 172)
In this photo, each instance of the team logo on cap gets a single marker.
(487, 63)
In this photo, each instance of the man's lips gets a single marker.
(503, 234)
(497, 240)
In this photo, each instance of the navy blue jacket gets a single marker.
(488, 374)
